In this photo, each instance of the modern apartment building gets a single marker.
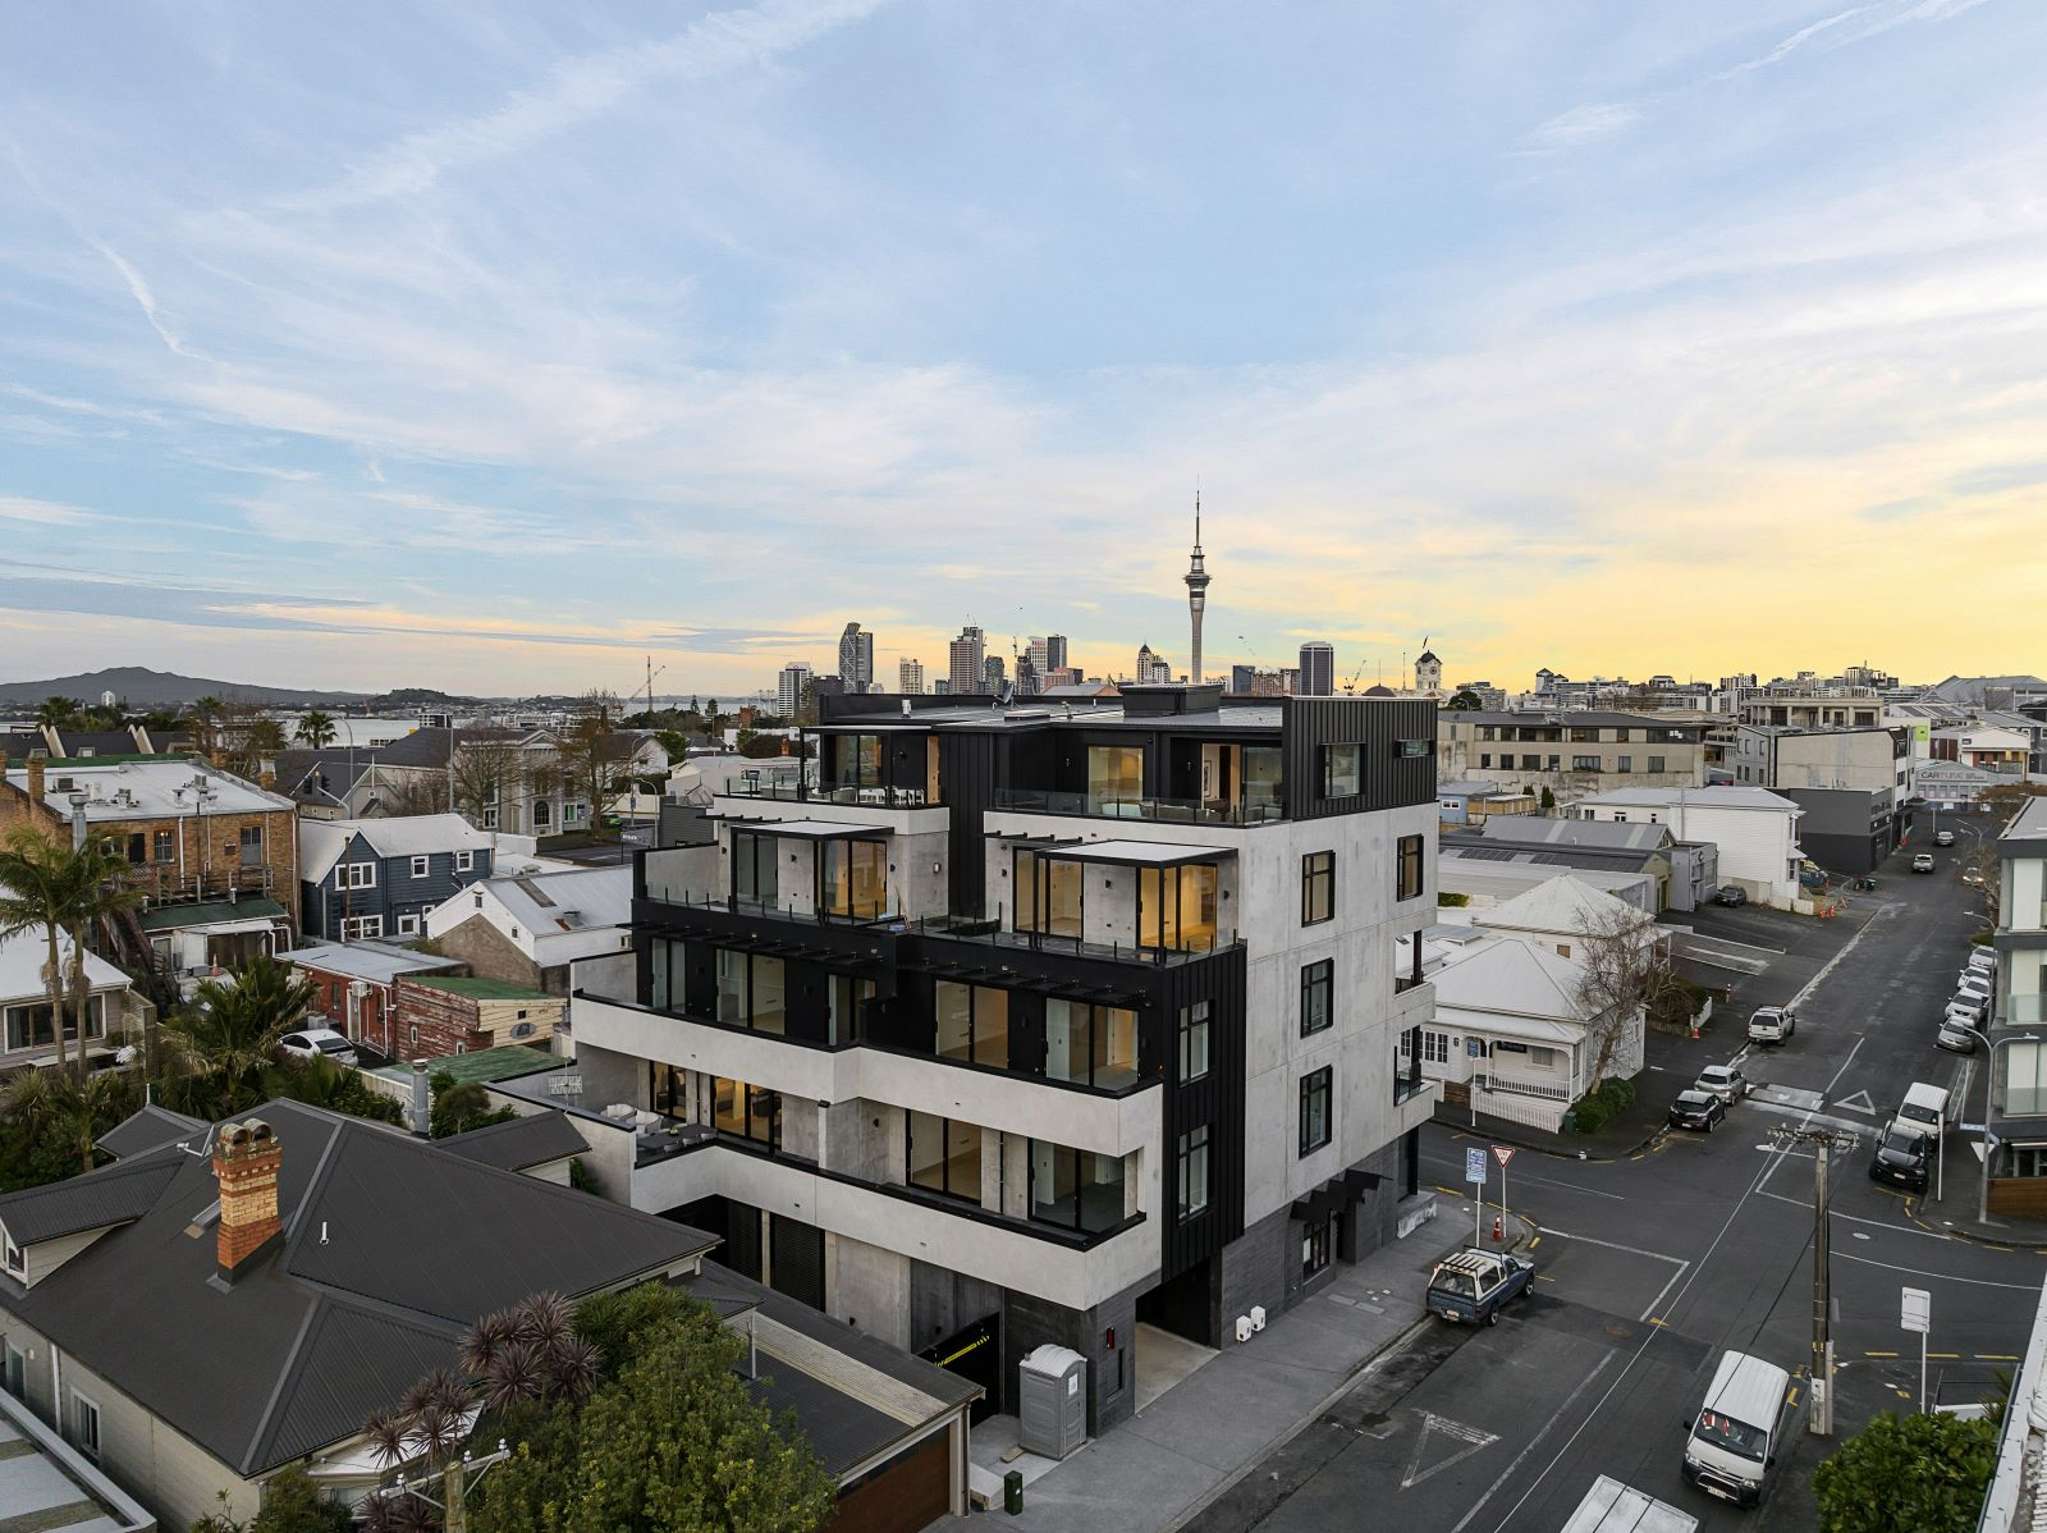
(1041, 1024)
(1152, 669)
(2018, 1056)
(1055, 653)
(856, 658)
(910, 677)
(789, 688)
(1574, 754)
(965, 666)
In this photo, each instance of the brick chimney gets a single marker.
(245, 1163)
(36, 759)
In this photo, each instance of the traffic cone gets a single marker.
(1499, 1231)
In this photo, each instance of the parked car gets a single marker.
(319, 1043)
(1901, 1158)
(1724, 1081)
(1923, 863)
(1983, 960)
(1969, 1008)
(1973, 983)
(1943, 838)
(1927, 1111)
(1730, 895)
(1697, 1109)
(1955, 1035)
(1470, 1286)
(1772, 1024)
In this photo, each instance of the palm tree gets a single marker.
(205, 715)
(36, 889)
(56, 710)
(316, 730)
(51, 1105)
(230, 1032)
(99, 892)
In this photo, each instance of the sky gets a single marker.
(497, 347)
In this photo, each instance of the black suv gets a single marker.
(1901, 1160)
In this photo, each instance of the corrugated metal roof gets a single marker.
(150, 1129)
(522, 1142)
(117, 1194)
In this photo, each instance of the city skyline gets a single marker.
(1579, 316)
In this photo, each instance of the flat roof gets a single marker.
(481, 989)
(483, 1067)
(366, 960)
(46, 1484)
(807, 830)
(1143, 854)
(166, 918)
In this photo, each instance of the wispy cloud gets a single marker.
(1583, 125)
(21, 508)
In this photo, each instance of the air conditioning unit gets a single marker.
(1243, 1328)
(1258, 1317)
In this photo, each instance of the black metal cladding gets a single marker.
(966, 782)
(1217, 1099)
(1389, 780)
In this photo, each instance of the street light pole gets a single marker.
(1989, 1069)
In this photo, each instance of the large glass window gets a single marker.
(856, 762)
(848, 995)
(1315, 1126)
(1075, 1189)
(750, 1112)
(30, 1026)
(1048, 894)
(1193, 1034)
(732, 996)
(1193, 1196)
(1343, 771)
(1261, 783)
(973, 1023)
(753, 866)
(854, 879)
(1318, 986)
(944, 1156)
(1092, 1045)
(1318, 887)
(1408, 868)
(1115, 777)
(770, 995)
(1176, 907)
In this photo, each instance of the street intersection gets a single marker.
(1653, 1263)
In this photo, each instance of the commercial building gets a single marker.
(1571, 755)
(1019, 1026)
(789, 688)
(1152, 669)
(856, 658)
(1318, 670)
(965, 668)
(910, 677)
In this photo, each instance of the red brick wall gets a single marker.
(433, 1022)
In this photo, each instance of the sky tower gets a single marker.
(1197, 594)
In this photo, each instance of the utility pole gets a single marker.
(1824, 1143)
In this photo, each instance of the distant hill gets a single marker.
(139, 687)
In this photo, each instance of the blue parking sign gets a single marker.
(1474, 1167)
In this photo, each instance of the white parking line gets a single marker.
(1944, 1277)
(1831, 964)
(1805, 1205)
(1615, 1246)
(1506, 1474)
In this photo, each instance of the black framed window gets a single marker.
(1407, 868)
(1410, 750)
(1318, 887)
(753, 990)
(856, 762)
(1193, 1032)
(1624, 763)
(1048, 894)
(751, 1112)
(753, 866)
(1315, 1116)
(973, 1023)
(1584, 763)
(1343, 770)
(852, 879)
(1090, 1045)
(943, 1156)
(1176, 907)
(1318, 1240)
(1074, 1189)
(1193, 1197)
(1318, 989)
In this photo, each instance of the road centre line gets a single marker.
(1829, 966)
(1677, 1261)
(1529, 1447)
(1945, 1277)
(1875, 1224)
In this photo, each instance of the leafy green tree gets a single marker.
(322, 1083)
(1549, 801)
(617, 1323)
(316, 730)
(50, 1121)
(221, 1047)
(1465, 701)
(45, 882)
(1911, 1474)
(458, 1109)
(57, 711)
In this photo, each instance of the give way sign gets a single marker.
(1503, 1153)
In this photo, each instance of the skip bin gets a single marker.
(1052, 1401)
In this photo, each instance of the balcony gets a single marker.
(1062, 1266)
(2023, 1011)
(872, 796)
(1263, 810)
(853, 914)
(992, 934)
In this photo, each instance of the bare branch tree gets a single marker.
(488, 771)
(1622, 972)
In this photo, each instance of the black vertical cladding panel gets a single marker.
(700, 978)
(643, 968)
(1217, 1100)
(807, 1000)
(1388, 781)
(798, 1264)
(966, 776)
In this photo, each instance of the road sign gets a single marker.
(1503, 1153)
(1474, 1166)
(1917, 1310)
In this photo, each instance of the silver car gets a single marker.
(1723, 1081)
(1956, 1036)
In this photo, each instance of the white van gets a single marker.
(1732, 1441)
(1924, 1110)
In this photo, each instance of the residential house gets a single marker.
(1985, 748)
(67, 743)
(527, 930)
(2018, 1059)
(1684, 873)
(355, 986)
(47, 1483)
(27, 1029)
(215, 857)
(1571, 757)
(1485, 882)
(1755, 830)
(1518, 1036)
(543, 1145)
(197, 1318)
(380, 877)
(1023, 1027)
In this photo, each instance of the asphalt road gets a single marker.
(1651, 1266)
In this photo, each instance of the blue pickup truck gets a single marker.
(1472, 1285)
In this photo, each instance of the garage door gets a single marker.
(909, 1492)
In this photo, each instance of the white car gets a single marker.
(318, 1043)
(1723, 1081)
(1943, 838)
(1772, 1024)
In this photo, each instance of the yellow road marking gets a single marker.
(1794, 1398)
(1534, 1243)
(1654, 1321)
(1949, 1356)
(1997, 1357)
(1879, 1354)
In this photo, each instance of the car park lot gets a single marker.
(1653, 1262)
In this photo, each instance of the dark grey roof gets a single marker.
(1527, 829)
(522, 1142)
(150, 1129)
(844, 1431)
(118, 1194)
(19, 746)
(101, 742)
(390, 1249)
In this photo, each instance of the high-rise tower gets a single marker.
(1197, 594)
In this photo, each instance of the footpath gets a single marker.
(1161, 1467)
